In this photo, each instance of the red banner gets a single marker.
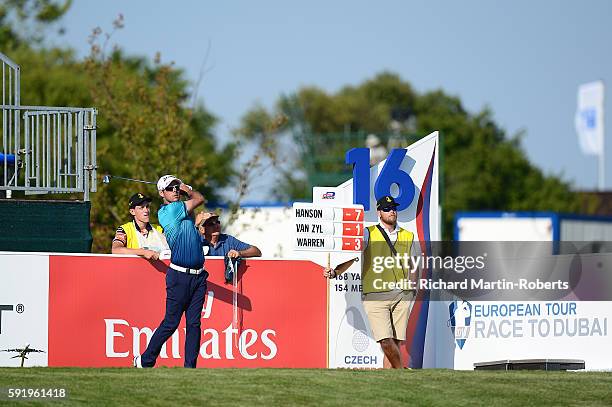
(103, 310)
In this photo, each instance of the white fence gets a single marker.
(44, 149)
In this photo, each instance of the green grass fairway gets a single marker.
(231, 387)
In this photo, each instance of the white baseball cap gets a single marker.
(165, 181)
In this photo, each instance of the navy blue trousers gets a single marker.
(184, 294)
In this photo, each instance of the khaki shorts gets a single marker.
(388, 313)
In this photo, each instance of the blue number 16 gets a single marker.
(390, 174)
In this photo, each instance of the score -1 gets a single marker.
(390, 174)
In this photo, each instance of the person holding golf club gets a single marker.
(219, 244)
(139, 237)
(388, 294)
(185, 277)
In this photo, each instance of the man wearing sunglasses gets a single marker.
(220, 244)
(185, 277)
(139, 236)
(387, 306)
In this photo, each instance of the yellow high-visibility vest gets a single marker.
(377, 246)
(135, 240)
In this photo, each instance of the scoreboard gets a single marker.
(328, 228)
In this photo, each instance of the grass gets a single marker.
(232, 387)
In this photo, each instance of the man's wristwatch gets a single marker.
(335, 274)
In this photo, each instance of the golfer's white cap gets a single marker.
(165, 181)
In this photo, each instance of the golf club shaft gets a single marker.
(130, 179)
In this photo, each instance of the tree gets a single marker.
(23, 21)
(150, 132)
(145, 126)
(484, 169)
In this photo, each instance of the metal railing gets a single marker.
(44, 149)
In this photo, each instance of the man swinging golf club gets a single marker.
(185, 277)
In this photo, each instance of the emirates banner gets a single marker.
(100, 310)
(103, 309)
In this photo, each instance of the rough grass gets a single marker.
(232, 387)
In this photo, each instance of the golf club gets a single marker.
(107, 178)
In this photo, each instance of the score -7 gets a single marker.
(352, 214)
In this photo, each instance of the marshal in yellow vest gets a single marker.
(132, 234)
(377, 246)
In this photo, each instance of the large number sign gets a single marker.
(390, 174)
(411, 176)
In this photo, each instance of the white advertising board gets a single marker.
(526, 229)
(24, 305)
(492, 331)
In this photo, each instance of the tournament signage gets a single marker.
(486, 331)
(330, 231)
(328, 228)
(410, 175)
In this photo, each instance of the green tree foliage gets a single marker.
(260, 143)
(483, 169)
(145, 126)
(23, 21)
(151, 132)
(367, 107)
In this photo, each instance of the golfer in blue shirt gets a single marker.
(185, 277)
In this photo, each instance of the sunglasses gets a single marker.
(389, 209)
(212, 223)
(175, 187)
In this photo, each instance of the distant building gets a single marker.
(596, 202)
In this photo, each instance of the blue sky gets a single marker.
(523, 59)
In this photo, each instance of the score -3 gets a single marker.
(329, 243)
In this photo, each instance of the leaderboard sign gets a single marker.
(328, 228)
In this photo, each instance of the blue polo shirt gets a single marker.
(181, 234)
(224, 245)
